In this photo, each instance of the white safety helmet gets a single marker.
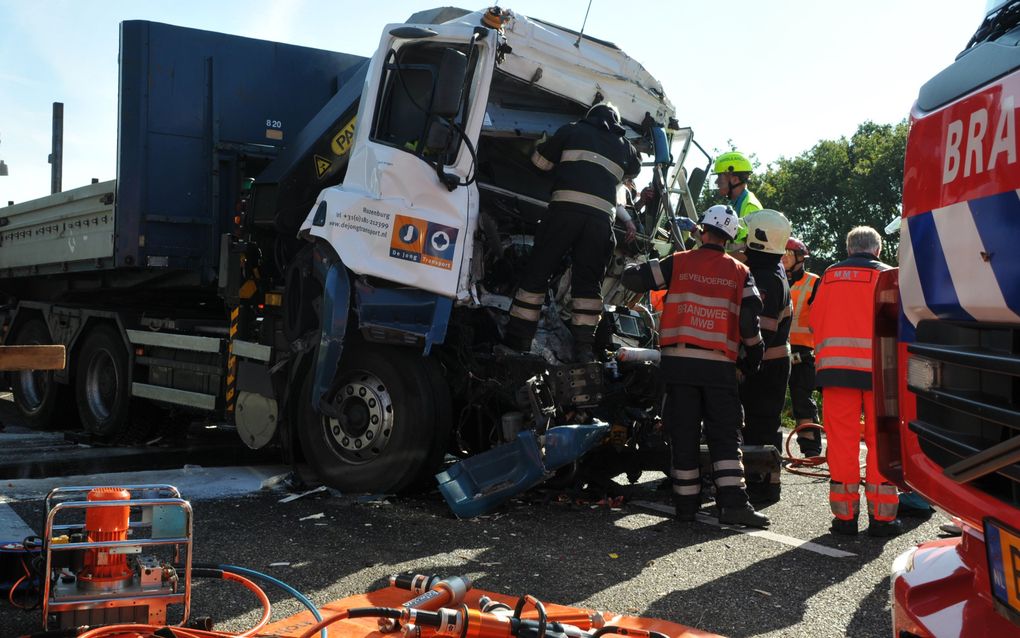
(722, 218)
(768, 231)
(606, 109)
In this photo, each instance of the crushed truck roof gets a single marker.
(576, 67)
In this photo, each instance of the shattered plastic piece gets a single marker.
(762, 592)
(284, 564)
(294, 497)
(273, 481)
(312, 517)
(613, 555)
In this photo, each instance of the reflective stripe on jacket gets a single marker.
(703, 303)
(589, 161)
(800, 292)
(842, 320)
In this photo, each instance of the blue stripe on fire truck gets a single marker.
(936, 281)
(998, 223)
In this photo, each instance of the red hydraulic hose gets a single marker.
(145, 631)
(805, 466)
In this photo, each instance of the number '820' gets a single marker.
(274, 124)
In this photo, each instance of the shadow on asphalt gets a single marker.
(772, 601)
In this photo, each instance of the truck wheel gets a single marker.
(440, 392)
(40, 400)
(101, 384)
(386, 425)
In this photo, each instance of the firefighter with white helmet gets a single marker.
(711, 310)
(763, 392)
(732, 171)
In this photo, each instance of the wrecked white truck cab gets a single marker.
(432, 226)
(441, 100)
(320, 250)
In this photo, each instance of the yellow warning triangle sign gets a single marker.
(321, 166)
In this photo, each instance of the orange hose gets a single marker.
(267, 608)
(144, 631)
(325, 622)
(794, 464)
(132, 630)
(10, 594)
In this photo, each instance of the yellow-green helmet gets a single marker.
(732, 162)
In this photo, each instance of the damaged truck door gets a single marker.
(376, 415)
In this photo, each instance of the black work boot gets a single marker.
(583, 352)
(743, 515)
(884, 529)
(685, 508)
(685, 516)
(513, 345)
(844, 527)
(764, 493)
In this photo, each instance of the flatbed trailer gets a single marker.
(298, 246)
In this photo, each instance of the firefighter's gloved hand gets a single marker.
(631, 231)
(685, 224)
(540, 141)
(751, 361)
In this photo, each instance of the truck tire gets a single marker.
(101, 384)
(440, 391)
(40, 400)
(386, 430)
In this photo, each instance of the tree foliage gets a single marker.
(837, 185)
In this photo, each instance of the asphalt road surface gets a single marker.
(796, 580)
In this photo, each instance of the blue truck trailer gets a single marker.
(320, 249)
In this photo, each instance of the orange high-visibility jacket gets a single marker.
(842, 320)
(703, 303)
(800, 292)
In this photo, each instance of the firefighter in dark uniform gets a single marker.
(711, 308)
(763, 393)
(589, 158)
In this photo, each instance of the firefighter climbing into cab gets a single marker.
(589, 159)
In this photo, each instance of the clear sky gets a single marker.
(773, 76)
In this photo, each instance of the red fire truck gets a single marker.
(948, 328)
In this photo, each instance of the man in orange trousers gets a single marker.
(842, 321)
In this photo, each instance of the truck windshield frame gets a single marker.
(403, 117)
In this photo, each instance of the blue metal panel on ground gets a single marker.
(199, 111)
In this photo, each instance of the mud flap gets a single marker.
(336, 303)
(482, 482)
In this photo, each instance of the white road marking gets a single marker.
(772, 536)
(12, 527)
